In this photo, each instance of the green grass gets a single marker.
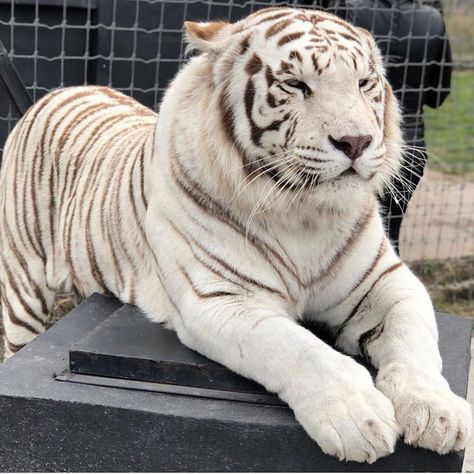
(439, 277)
(443, 272)
(450, 129)
(462, 308)
(459, 20)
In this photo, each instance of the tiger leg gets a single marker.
(26, 302)
(394, 326)
(332, 396)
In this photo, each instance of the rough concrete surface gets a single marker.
(469, 457)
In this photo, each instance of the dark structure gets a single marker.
(106, 390)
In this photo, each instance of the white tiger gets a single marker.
(249, 205)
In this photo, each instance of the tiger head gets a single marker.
(303, 99)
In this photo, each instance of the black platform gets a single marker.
(107, 390)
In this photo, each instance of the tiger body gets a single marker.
(199, 218)
(89, 241)
(78, 238)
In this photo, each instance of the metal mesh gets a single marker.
(136, 46)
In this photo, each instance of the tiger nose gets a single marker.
(352, 147)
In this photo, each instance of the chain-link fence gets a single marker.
(136, 46)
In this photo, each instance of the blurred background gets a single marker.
(136, 46)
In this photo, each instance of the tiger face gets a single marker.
(304, 100)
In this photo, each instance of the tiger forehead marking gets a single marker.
(315, 38)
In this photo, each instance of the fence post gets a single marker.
(10, 79)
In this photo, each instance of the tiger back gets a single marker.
(73, 202)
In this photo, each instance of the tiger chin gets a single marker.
(248, 204)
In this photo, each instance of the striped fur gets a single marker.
(232, 216)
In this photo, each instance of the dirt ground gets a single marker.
(439, 223)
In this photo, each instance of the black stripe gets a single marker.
(277, 16)
(205, 264)
(277, 27)
(213, 294)
(356, 308)
(14, 319)
(290, 37)
(191, 241)
(378, 256)
(22, 262)
(91, 254)
(215, 209)
(343, 250)
(255, 131)
(13, 347)
(18, 294)
(370, 336)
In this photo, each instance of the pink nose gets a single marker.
(352, 147)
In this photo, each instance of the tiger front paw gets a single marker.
(430, 415)
(352, 420)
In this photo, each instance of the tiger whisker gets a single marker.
(396, 193)
(280, 180)
(389, 183)
(274, 187)
(282, 200)
(299, 191)
(408, 170)
(281, 162)
(277, 161)
(283, 197)
(269, 157)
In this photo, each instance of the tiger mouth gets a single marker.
(348, 172)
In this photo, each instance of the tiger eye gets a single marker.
(296, 84)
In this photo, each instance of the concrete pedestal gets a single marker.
(107, 390)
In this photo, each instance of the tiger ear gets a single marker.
(205, 37)
(392, 118)
(392, 115)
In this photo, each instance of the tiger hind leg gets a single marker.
(26, 303)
